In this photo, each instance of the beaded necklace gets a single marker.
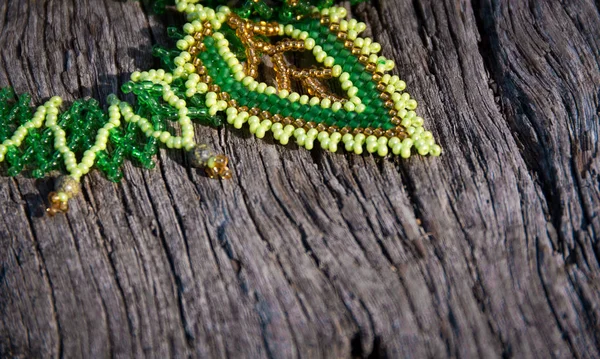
(213, 76)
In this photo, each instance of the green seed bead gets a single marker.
(435, 150)
(349, 145)
(405, 152)
(260, 132)
(309, 143)
(301, 139)
(372, 146)
(358, 148)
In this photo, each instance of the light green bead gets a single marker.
(393, 141)
(309, 43)
(372, 146)
(266, 124)
(309, 143)
(333, 146)
(336, 70)
(405, 152)
(164, 136)
(349, 145)
(289, 129)
(358, 149)
(435, 150)
(260, 132)
(294, 96)
(322, 135)
(284, 138)
(328, 61)
(382, 151)
(301, 139)
(299, 131)
(239, 122)
(336, 137)
(261, 87)
(423, 150)
(253, 120)
(360, 138)
(371, 139)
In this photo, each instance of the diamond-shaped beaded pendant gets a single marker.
(374, 112)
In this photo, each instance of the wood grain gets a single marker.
(488, 251)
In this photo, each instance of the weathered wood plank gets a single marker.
(488, 251)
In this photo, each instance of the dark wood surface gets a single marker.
(488, 251)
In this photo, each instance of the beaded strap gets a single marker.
(214, 71)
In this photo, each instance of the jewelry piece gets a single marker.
(215, 70)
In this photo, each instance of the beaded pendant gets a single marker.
(216, 70)
(375, 113)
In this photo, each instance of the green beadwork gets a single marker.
(44, 139)
(364, 110)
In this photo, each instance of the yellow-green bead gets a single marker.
(309, 143)
(435, 150)
(372, 146)
(382, 151)
(405, 152)
(349, 145)
(260, 132)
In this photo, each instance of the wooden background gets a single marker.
(488, 251)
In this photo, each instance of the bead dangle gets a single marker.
(214, 75)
